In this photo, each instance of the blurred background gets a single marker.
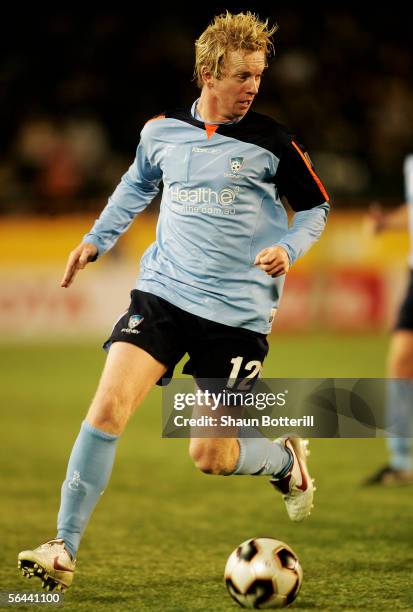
(75, 90)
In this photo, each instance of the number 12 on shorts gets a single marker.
(253, 367)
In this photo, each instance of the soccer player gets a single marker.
(208, 286)
(399, 406)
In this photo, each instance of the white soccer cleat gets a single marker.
(51, 563)
(297, 487)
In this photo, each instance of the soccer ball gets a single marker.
(263, 573)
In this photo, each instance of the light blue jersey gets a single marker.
(221, 205)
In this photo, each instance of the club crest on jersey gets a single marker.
(236, 164)
(134, 321)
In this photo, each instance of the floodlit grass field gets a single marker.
(161, 534)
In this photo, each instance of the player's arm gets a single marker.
(378, 220)
(273, 260)
(138, 187)
(78, 258)
(297, 181)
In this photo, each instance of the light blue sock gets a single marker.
(399, 413)
(258, 455)
(88, 472)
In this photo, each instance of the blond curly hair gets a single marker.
(228, 32)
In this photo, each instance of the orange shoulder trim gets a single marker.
(313, 174)
(157, 117)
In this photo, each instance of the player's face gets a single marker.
(239, 84)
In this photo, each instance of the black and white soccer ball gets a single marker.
(263, 573)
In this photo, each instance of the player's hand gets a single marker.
(273, 260)
(78, 259)
(375, 221)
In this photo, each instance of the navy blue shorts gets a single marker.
(166, 332)
(405, 318)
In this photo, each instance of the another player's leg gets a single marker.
(129, 373)
(399, 411)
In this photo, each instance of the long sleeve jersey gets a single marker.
(221, 205)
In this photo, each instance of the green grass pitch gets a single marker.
(161, 534)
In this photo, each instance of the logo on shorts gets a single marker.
(133, 322)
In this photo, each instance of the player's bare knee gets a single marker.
(208, 457)
(109, 412)
(195, 449)
(209, 464)
(201, 455)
